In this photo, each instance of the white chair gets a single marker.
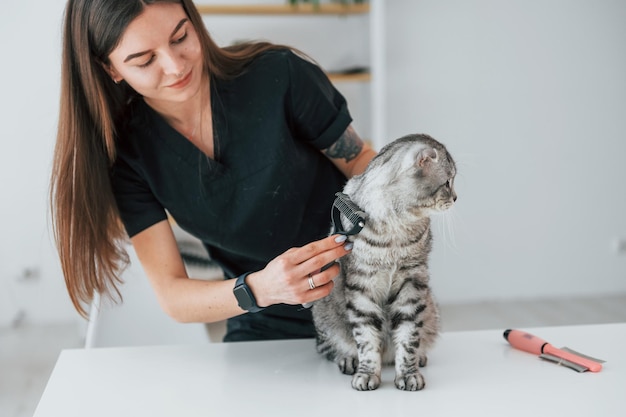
(139, 320)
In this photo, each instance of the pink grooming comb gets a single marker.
(566, 357)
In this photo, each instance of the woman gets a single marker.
(243, 146)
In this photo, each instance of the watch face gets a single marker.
(243, 297)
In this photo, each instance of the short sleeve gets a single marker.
(318, 112)
(137, 205)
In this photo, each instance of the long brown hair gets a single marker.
(86, 224)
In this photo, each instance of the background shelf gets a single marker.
(339, 77)
(285, 9)
(345, 37)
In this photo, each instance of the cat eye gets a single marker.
(449, 183)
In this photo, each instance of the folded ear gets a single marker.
(426, 155)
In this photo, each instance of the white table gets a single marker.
(469, 373)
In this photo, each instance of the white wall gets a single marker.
(29, 41)
(530, 97)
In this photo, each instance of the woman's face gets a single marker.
(159, 55)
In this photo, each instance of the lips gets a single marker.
(182, 83)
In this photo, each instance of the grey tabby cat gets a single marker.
(381, 310)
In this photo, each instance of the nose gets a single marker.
(172, 63)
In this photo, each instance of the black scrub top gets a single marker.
(268, 188)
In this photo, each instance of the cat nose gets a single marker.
(454, 198)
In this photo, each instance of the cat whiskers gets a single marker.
(445, 227)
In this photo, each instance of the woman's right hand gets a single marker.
(285, 279)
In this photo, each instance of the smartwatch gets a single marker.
(244, 295)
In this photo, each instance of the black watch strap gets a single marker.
(244, 295)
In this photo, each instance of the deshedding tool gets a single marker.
(354, 214)
(564, 356)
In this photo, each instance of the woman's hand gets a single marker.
(299, 275)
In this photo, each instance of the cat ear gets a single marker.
(427, 154)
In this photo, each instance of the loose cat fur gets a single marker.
(381, 310)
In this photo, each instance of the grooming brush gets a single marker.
(354, 214)
(564, 356)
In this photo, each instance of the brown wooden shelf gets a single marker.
(284, 9)
(360, 77)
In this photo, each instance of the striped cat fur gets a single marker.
(381, 310)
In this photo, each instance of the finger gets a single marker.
(321, 278)
(318, 293)
(306, 252)
(321, 261)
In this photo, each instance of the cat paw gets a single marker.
(365, 382)
(348, 365)
(423, 360)
(410, 382)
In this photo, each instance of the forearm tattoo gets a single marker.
(348, 146)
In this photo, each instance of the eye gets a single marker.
(181, 39)
(148, 62)
(449, 183)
